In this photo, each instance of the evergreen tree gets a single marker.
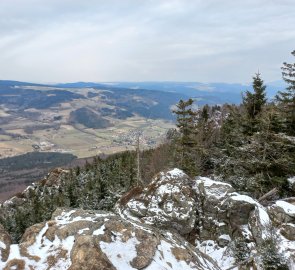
(253, 103)
(287, 98)
(187, 141)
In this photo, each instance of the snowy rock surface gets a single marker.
(282, 212)
(225, 216)
(5, 242)
(168, 202)
(209, 214)
(173, 223)
(80, 239)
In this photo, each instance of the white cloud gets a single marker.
(74, 40)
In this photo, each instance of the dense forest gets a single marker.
(250, 145)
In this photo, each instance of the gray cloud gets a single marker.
(132, 40)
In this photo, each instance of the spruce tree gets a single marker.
(287, 98)
(253, 103)
(187, 140)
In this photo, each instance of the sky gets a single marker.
(145, 40)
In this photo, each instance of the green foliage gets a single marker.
(252, 153)
(187, 143)
(286, 98)
(197, 131)
(271, 258)
(255, 101)
(97, 185)
(89, 119)
(241, 250)
(253, 104)
(255, 162)
(34, 159)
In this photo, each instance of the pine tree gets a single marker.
(287, 98)
(253, 102)
(187, 140)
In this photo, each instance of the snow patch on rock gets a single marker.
(288, 208)
(120, 253)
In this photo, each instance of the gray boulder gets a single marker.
(282, 212)
(167, 202)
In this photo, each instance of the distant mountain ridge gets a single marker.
(211, 93)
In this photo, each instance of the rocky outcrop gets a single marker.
(211, 215)
(168, 202)
(173, 223)
(282, 212)
(77, 239)
(288, 231)
(52, 180)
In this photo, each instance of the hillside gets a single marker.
(20, 171)
(175, 222)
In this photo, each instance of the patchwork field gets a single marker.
(81, 141)
(77, 122)
(81, 121)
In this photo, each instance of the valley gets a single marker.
(39, 122)
(81, 121)
(76, 121)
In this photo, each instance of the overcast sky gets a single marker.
(145, 40)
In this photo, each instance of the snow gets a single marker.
(291, 180)
(246, 232)
(288, 208)
(213, 188)
(8, 202)
(44, 248)
(2, 245)
(225, 237)
(99, 231)
(175, 173)
(287, 248)
(83, 230)
(120, 253)
(209, 182)
(68, 243)
(14, 252)
(220, 255)
(165, 260)
(66, 217)
(244, 198)
(28, 188)
(167, 188)
(136, 205)
(263, 216)
(160, 206)
(35, 247)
